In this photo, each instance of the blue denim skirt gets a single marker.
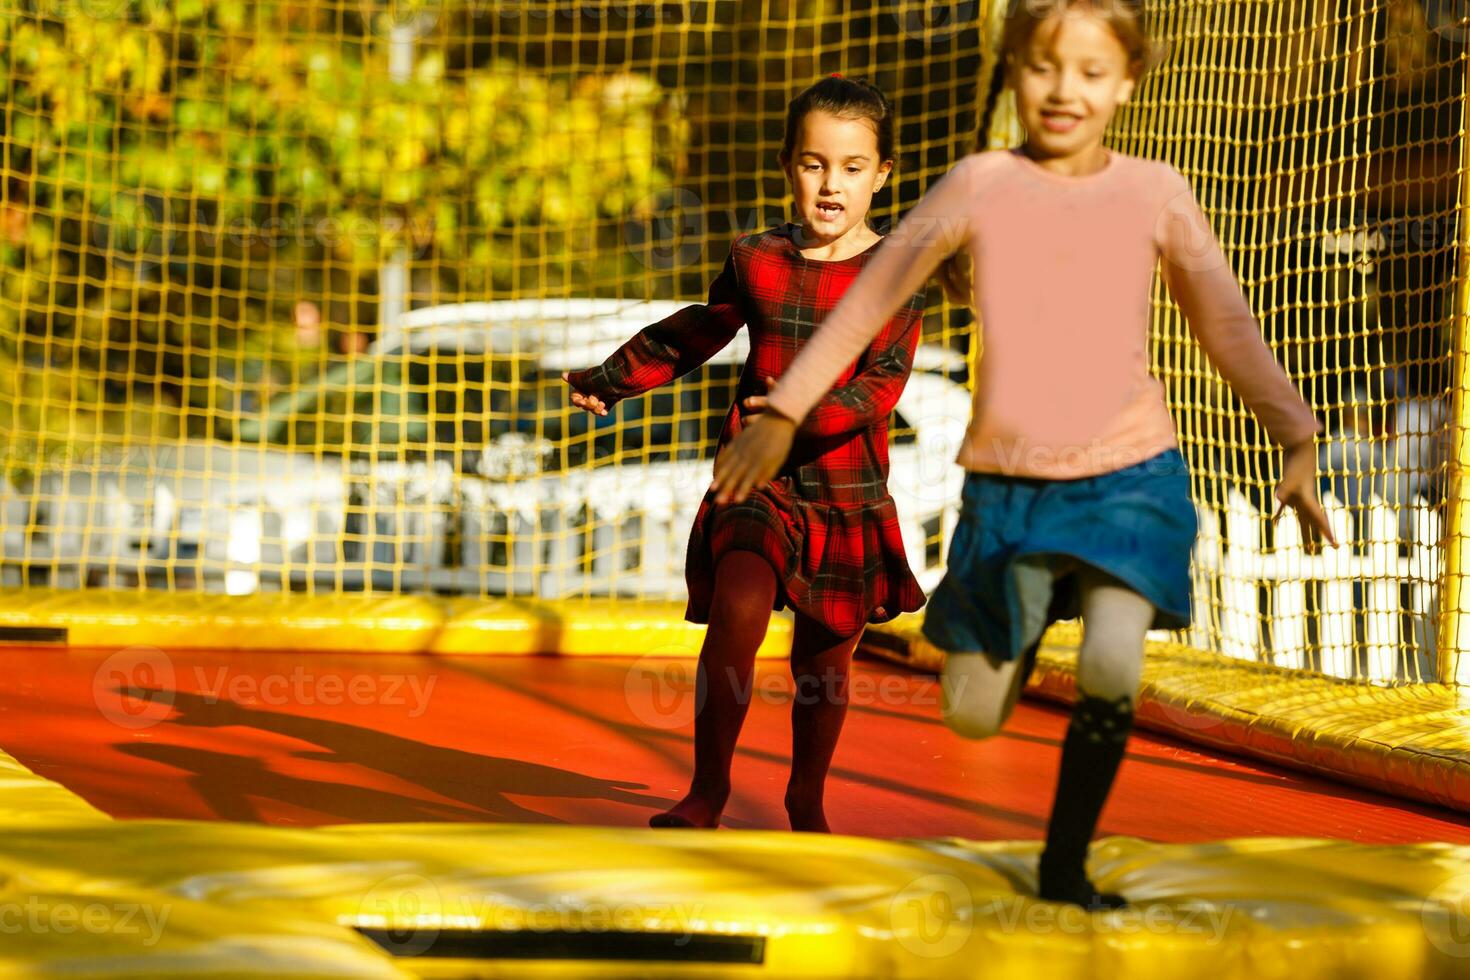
(1019, 542)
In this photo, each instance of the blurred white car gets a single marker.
(446, 458)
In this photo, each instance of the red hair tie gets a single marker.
(837, 74)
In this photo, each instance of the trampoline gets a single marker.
(304, 739)
(315, 814)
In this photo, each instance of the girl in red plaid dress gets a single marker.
(823, 537)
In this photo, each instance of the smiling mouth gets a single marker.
(1060, 122)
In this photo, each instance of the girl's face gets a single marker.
(1068, 82)
(834, 172)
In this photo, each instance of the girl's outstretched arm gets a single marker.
(666, 350)
(1202, 283)
(937, 227)
(872, 393)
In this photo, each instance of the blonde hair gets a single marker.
(1023, 20)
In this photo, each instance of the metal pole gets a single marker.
(393, 277)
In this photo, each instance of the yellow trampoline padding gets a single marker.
(368, 623)
(1412, 741)
(166, 898)
(27, 799)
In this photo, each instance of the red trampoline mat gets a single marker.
(304, 739)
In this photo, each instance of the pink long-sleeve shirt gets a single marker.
(1063, 268)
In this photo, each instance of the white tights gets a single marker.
(980, 691)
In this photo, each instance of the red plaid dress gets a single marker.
(826, 523)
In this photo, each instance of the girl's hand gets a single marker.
(1298, 490)
(754, 457)
(756, 404)
(590, 403)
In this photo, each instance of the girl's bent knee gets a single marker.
(978, 694)
(971, 718)
(974, 726)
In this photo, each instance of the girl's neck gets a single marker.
(854, 241)
(1084, 163)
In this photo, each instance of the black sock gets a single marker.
(1091, 754)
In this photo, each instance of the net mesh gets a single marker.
(289, 287)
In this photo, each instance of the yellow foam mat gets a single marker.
(368, 623)
(162, 898)
(85, 896)
(27, 799)
(1412, 741)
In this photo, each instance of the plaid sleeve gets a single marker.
(670, 348)
(871, 393)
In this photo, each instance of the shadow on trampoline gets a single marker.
(474, 787)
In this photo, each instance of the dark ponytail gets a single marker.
(987, 114)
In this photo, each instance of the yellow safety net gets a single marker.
(288, 288)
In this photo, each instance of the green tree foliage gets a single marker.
(179, 176)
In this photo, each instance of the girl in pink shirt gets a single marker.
(1077, 499)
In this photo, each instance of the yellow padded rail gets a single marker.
(1411, 741)
(367, 623)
